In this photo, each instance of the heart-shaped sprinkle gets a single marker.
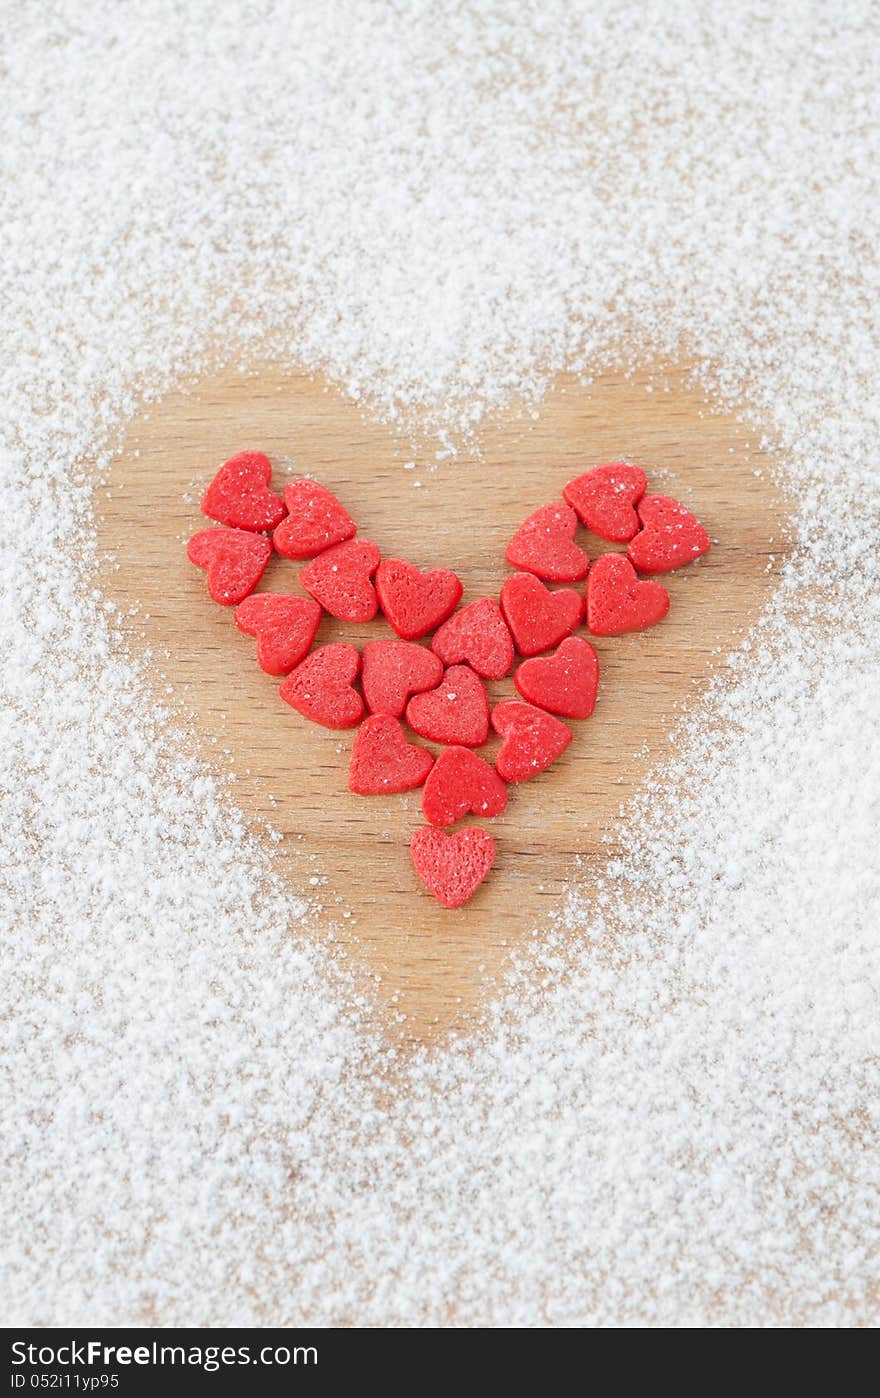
(477, 636)
(462, 783)
(315, 521)
(284, 626)
(415, 602)
(605, 500)
(340, 580)
(670, 536)
(538, 618)
(392, 671)
(619, 601)
(564, 683)
(321, 687)
(545, 546)
(532, 739)
(452, 867)
(234, 560)
(239, 494)
(457, 711)
(383, 762)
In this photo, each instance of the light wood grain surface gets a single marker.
(435, 968)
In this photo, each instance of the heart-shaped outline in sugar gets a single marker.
(291, 775)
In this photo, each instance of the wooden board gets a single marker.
(435, 967)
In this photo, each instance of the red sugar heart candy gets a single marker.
(321, 687)
(532, 739)
(234, 559)
(670, 536)
(545, 546)
(340, 580)
(284, 626)
(391, 671)
(538, 618)
(564, 683)
(239, 494)
(462, 783)
(452, 867)
(415, 602)
(383, 762)
(457, 711)
(315, 521)
(476, 636)
(618, 601)
(605, 500)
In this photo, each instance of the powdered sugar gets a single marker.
(669, 1116)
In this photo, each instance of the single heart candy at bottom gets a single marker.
(452, 867)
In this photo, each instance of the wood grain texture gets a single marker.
(436, 967)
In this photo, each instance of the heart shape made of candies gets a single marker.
(438, 689)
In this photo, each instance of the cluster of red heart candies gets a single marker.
(440, 691)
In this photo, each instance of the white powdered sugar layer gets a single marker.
(670, 1115)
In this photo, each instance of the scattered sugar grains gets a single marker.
(671, 1114)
